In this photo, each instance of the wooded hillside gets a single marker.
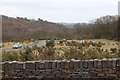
(23, 28)
(105, 27)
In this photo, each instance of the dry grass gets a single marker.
(108, 47)
(9, 45)
(101, 40)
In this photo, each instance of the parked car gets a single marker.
(1, 45)
(17, 46)
(64, 40)
(94, 42)
(82, 41)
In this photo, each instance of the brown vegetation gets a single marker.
(22, 28)
(60, 51)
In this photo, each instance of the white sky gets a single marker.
(59, 10)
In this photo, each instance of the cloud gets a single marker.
(9, 10)
(59, 10)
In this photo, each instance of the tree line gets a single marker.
(106, 27)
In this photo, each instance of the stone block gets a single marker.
(85, 63)
(6, 66)
(98, 63)
(118, 62)
(109, 63)
(59, 64)
(54, 64)
(30, 65)
(66, 64)
(76, 64)
(11, 66)
(81, 64)
(42, 64)
(71, 64)
(15, 65)
(95, 63)
(106, 63)
(91, 64)
(48, 64)
(114, 63)
(2, 65)
(63, 64)
(37, 65)
(21, 65)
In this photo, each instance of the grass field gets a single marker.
(108, 43)
(72, 49)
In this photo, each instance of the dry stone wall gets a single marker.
(62, 69)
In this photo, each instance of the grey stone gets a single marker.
(71, 64)
(41, 65)
(80, 64)
(37, 65)
(99, 64)
(96, 63)
(2, 65)
(54, 64)
(21, 65)
(76, 64)
(109, 63)
(58, 64)
(15, 65)
(85, 63)
(118, 62)
(106, 63)
(30, 65)
(64, 68)
(48, 64)
(6, 66)
(63, 64)
(114, 63)
(66, 64)
(11, 66)
(90, 63)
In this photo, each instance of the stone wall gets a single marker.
(62, 69)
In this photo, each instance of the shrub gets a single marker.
(50, 43)
(48, 53)
(114, 50)
(26, 54)
(91, 54)
(10, 56)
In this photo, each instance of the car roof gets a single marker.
(17, 44)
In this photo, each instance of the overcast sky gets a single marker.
(73, 11)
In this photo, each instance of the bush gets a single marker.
(91, 54)
(26, 56)
(48, 54)
(10, 56)
(114, 50)
(50, 43)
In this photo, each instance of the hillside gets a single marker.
(68, 25)
(23, 28)
(71, 25)
(105, 27)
